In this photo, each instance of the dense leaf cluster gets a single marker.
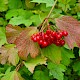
(21, 58)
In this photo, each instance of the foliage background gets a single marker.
(62, 64)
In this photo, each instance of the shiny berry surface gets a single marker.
(49, 37)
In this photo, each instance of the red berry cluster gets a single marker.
(49, 37)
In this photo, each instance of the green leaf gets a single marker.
(3, 5)
(14, 75)
(49, 3)
(8, 70)
(2, 36)
(11, 13)
(66, 56)
(20, 20)
(56, 70)
(17, 3)
(36, 19)
(40, 75)
(18, 12)
(76, 67)
(20, 16)
(32, 63)
(52, 52)
(1, 21)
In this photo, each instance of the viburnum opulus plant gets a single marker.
(39, 41)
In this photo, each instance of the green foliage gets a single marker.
(61, 63)
(15, 4)
(14, 75)
(66, 55)
(56, 70)
(32, 63)
(3, 5)
(76, 67)
(53, 53)
(40, 75)
(2, 36)
(49, 3)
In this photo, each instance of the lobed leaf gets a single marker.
(40, 75)
(22, 38)
(25, 45)
(3, 5)
(76, 67)
(14, 75)
(12, 32)
(9, 54)
(53, 53)
(2, 36)
(49, 3)
(56, 70)
(66, 56)
(32, 63)
(72, 26)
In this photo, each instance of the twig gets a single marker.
(42, 28)
(19, 66)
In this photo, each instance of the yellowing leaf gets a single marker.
(9, 54)
(22, 38)
(25, 45)
(72, 26)
(14, 75)
(12, 32)
(32, 63)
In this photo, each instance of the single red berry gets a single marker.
(34, 39)
(46, 36)
(38, 38)
(45, 44)
(40, 42)
(61, 34)
(33, 36)
(53, 34)
(65, 33)
(57, 43)
(62, 42)
(58, 36)
(48, 32)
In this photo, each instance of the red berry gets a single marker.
(65, 33)
(38, 38)
(58, 36)
(33, 36)
(34, 39)
(46, 36)
(62, 42)
(40, 42)
(45, 44)
(53, 34)
(58, 43)
(48, 32)
(61, 34)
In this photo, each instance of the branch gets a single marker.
(43, 23)
(19, 66)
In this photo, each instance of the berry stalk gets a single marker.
(43, 23)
